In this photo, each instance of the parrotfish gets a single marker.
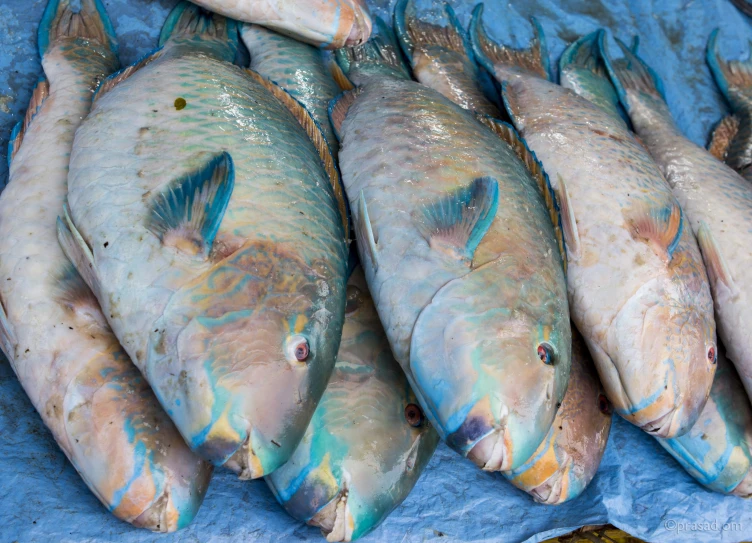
(638, 290)
(569, 456)
(368, 441)
(456, 229)
(330, 24)
(716, 450)
(716, 199)
(298, 68)
(211, 229)
(441, 58)
(95, 402)
(732, 139)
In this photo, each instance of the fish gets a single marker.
(368, 441)
(717, 202)
(716, 450)
(211, 228)
(567, 460)
(94, 401)
(637, 285)
(441, 58)
(298, 68)
(732, 138)
(455, 228)
(329, 24)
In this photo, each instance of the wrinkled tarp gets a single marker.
(638, 488)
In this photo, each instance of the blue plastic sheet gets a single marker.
(638, 488)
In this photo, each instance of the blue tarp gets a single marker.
(639, 488)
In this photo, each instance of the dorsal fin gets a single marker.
(507, 133)
(661, 227)
(316, 136)
(40, 94)
(112, 81)
(413, 32)
(722, 137)
(339, 107)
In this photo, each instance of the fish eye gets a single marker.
(546, 354)
(413, 415)
(298, 349)
(604, 406)
(353, 299)
(712, 354)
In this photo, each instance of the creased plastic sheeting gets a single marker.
(638, 488)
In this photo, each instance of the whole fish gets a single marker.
(569, 456)
(732, 139)
(206, 222)
(368, 441)
(441, 58)
(97, 405)
(716, 199)
(298, 68)
(329, 24)
(638, 290)
(460, 254)
(716, 450)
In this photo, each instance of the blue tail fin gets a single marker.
(190, 22)
(91, 22)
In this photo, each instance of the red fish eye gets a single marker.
(712, 355)
(546, 354)
(413, 415)
(302, 351)
(604, 406)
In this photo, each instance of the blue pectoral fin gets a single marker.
(457, 223)
(187, 214)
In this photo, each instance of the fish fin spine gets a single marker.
(110, 82)
(661, 227)
(723, 134)
(715, 263)
(188, 21)
(91, 22)
(316, 135)
(40, 94)
(187, 214)
(365, 234)
(77, 250)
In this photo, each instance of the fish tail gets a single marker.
(413, 32)
(61, 22)
(203, 29)
(379, 57)
(490, 55)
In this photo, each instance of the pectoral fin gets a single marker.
(187, 214)
(568, 221)
(77, 250)
(661, 227)
(8, 339)
(718, 270)
(456, 223)
(364, 232)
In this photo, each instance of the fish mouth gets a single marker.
(335, 519)
(551, 492)
(492, 453)
(744, 488)
(362, 25)
(160, 517)
(245, 463)
(663, 426)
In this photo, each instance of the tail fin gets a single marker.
(632, 74)
(411, 31)
(91, 22)
(190, 22)
(731, 76)
(533, 60)
(379, 56)
(581, 69)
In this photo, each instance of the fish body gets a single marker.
(637, 286)
(461, 258)
(368, 441)
(716, 450)
(567, 460)
(95, 402)
(716, 199)
(204, 218)
(298, 68)
(329, 24)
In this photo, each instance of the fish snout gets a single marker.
(744, 488)
(664, 426)
(552, 491)
(335, 519)
(488, 443)
(362, 24)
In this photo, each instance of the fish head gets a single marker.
(490, 359)
(661, 355)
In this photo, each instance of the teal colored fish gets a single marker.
(212, 230)
(98, 407)
(453, 218)
(368, 441)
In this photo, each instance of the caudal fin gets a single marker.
(412, 32)
(60, 22)
(188, 22)
(731, 76)
(491, 55)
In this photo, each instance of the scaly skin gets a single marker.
(569, 456)
(97, 405)
(716, 450)
(296, 67)
(465, 333)
(360, 457)
(329, 24)
(215, 336)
